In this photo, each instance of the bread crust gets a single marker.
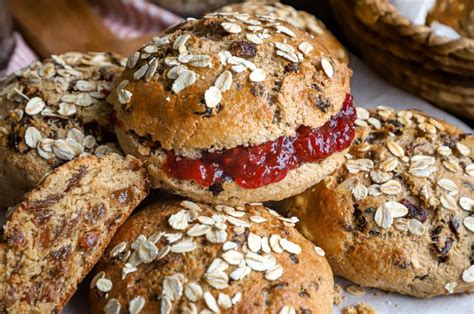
(55, 81)
(56, 235)
(230, 193)
(291, 95)
(337, 216)
(305, 284)
(300, 19)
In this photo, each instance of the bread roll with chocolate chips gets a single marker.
(235, 108)
(50, 113)
(399, 215)
(300, 19)
(60, 230)
(186, 257)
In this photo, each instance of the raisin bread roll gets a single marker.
(399, 215)
(235, 108)
(62, 227)
(300, 19)
(185, 257)
(51, 112)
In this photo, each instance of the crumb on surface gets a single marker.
(361, 308)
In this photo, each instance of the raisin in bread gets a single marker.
(56, 235)
(51, 112)
(399, 215)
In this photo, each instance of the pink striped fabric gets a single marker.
(125, 18)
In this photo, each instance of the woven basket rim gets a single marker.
(389, 15)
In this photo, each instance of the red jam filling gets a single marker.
(257, 166)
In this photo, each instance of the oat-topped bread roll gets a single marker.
(399, 215)
(235, 108)
(300, 19)
(63, 226)
(185, 257)
(51, 112)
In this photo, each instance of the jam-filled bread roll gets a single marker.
(186, 257)
(399, 215)
(50, 113)
(235, 108)
(57, 234)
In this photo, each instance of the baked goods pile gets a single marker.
(246, 105)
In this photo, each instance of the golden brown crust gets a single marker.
(300, 19)
(293, 93)
(69, 91)
(230, 193)
(305, 283)
(56, 235)
(426, 249)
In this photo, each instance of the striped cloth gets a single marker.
(125, 18)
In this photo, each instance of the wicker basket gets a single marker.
(411, 56)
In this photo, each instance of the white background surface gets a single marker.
(371, 91)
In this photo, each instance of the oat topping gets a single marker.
(253, 38)
(305, 47)
(396, 167)
(450, 287)
(124, 96)
(463, 149)
(383, 217)
(466, 203)
(185, 79)
(415, 227)
(32, 136)
(257, 75)
(470, 170)
(448, 202)
(231, 28)
(53, 97)
(287, 310)
(34, 106)
(235, 261)
(285, 30)
(213, 97)
(112, 307)
(395, 149)
(104, 284)
(327, 67)
(391, 187)
(319, 251)
(468, 274)
(180, 58)
(136, 305)
(469, 223)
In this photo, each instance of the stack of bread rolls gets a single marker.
(247, 105)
